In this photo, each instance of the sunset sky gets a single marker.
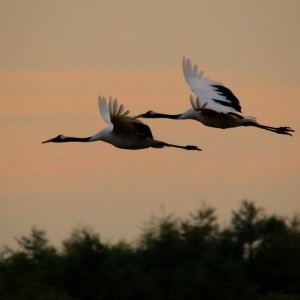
(57, 57)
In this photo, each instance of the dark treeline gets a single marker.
(257, 256)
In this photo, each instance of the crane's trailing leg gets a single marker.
(279, 130)
(189, 147)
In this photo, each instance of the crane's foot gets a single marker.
(285, 130)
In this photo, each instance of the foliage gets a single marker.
(255, 257)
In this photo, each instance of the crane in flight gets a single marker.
(214, 106)
(123, 131)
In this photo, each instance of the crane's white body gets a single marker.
(213, 118)
(126, 140)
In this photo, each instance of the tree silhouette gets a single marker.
(256, 256)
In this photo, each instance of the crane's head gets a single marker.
(59, 139)
(148, 114)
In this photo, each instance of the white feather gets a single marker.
(103, 109)
(203, 87)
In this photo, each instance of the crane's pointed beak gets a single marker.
(145, 115)
(148, 114)
(48, 141)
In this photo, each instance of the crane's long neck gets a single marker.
(65, 139)
(165, 116)
(75, 139)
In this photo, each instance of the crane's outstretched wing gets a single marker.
(103, 109)
(211, 93)
(120, 119)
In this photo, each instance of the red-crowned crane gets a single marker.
(123, 131)
(215, 105)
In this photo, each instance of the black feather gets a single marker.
(143, 129)
(227, 93)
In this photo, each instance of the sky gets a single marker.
(57, 57)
